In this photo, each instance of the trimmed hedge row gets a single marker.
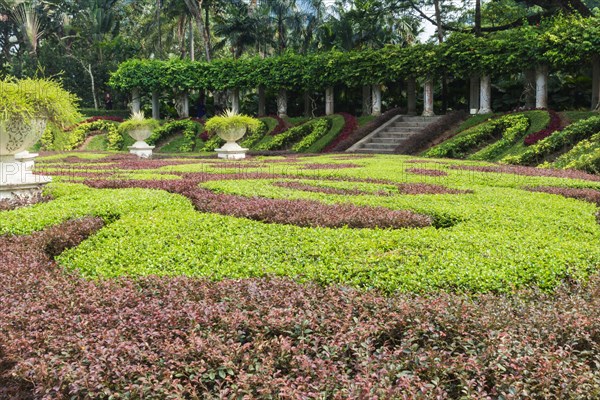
(317, 128)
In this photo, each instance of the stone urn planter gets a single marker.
(26, 106)
(140, 129)
(16, 136)
(231, 127)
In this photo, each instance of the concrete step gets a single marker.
(419, 118)
(380, 146)
(378, 151)
(398, 135)
(388, 140)
(408, 124)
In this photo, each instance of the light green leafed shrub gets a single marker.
(320, 129)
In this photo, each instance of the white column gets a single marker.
(428, 98)
(235, 100)
(541, 86)
(474, 94)
(182, 105)
(155, 105)
(262, 104)
(329, 101)
(376, 105)
(366, 103)
(136, 101)
(485, 95)
(411, 96)
(595, 82)
(282, 103)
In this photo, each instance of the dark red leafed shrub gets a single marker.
(427, 172)
(327, 190)
(530, 171)
(64, 337)
(11, 204)
(428, 188)
(330, 166)
(552, 127)
(590, 195)
(205, 136)
(281, 127)
(350, 125)
(304, 213)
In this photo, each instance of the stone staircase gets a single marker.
(386, 138)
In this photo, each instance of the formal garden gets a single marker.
(216, 230)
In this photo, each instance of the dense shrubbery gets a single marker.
(509, 128)
(591, 195)
(559, 140)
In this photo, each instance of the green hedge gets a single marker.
(188, 128)
(559, 43)
(584, 156)
(293, 135)
(516, 127)
(92, 112)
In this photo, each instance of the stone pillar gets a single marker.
(376, 104)
(329, 101)
(474, 94)
(282, 103)
(182, 105)
(595, 82)
(428, 98)
(529, 76)
(411, 96)
(136, 101)
(235, 100)
(262, 104)
(307, 106)
(366, 102)
(485, 95)
(541, 86)
(156, 105)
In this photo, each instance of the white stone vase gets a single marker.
(140, 147)
(16, 136)
(231, 150)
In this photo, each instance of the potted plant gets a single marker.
(26, 106)
(140, 129)
(231, 127)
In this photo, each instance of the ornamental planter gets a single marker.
(231, 150)
(140, 148)
(16, 136)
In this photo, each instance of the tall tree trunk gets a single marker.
(307, 109)
(93, 82)
(195, 8)
(192, 41)
(438, 20)
(159, 23)
(477, 17)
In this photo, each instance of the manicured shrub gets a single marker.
(552, 127)
(327, 190)
(281, 126)
(254, 136)
(427, 172)
(428, 188)
(558, 141)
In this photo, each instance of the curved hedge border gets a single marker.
(584, 156)
(188, 128)
(552, 127)
(517, 126)
(295, 134)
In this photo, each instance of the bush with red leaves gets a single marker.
(328, 190)
(303, 213)
(281, 127)
(530, 171)
(63, 337)
(590, 195)
(427, 172)
(428, 188)
(11, 204)
(350, 125)
(552, 127)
